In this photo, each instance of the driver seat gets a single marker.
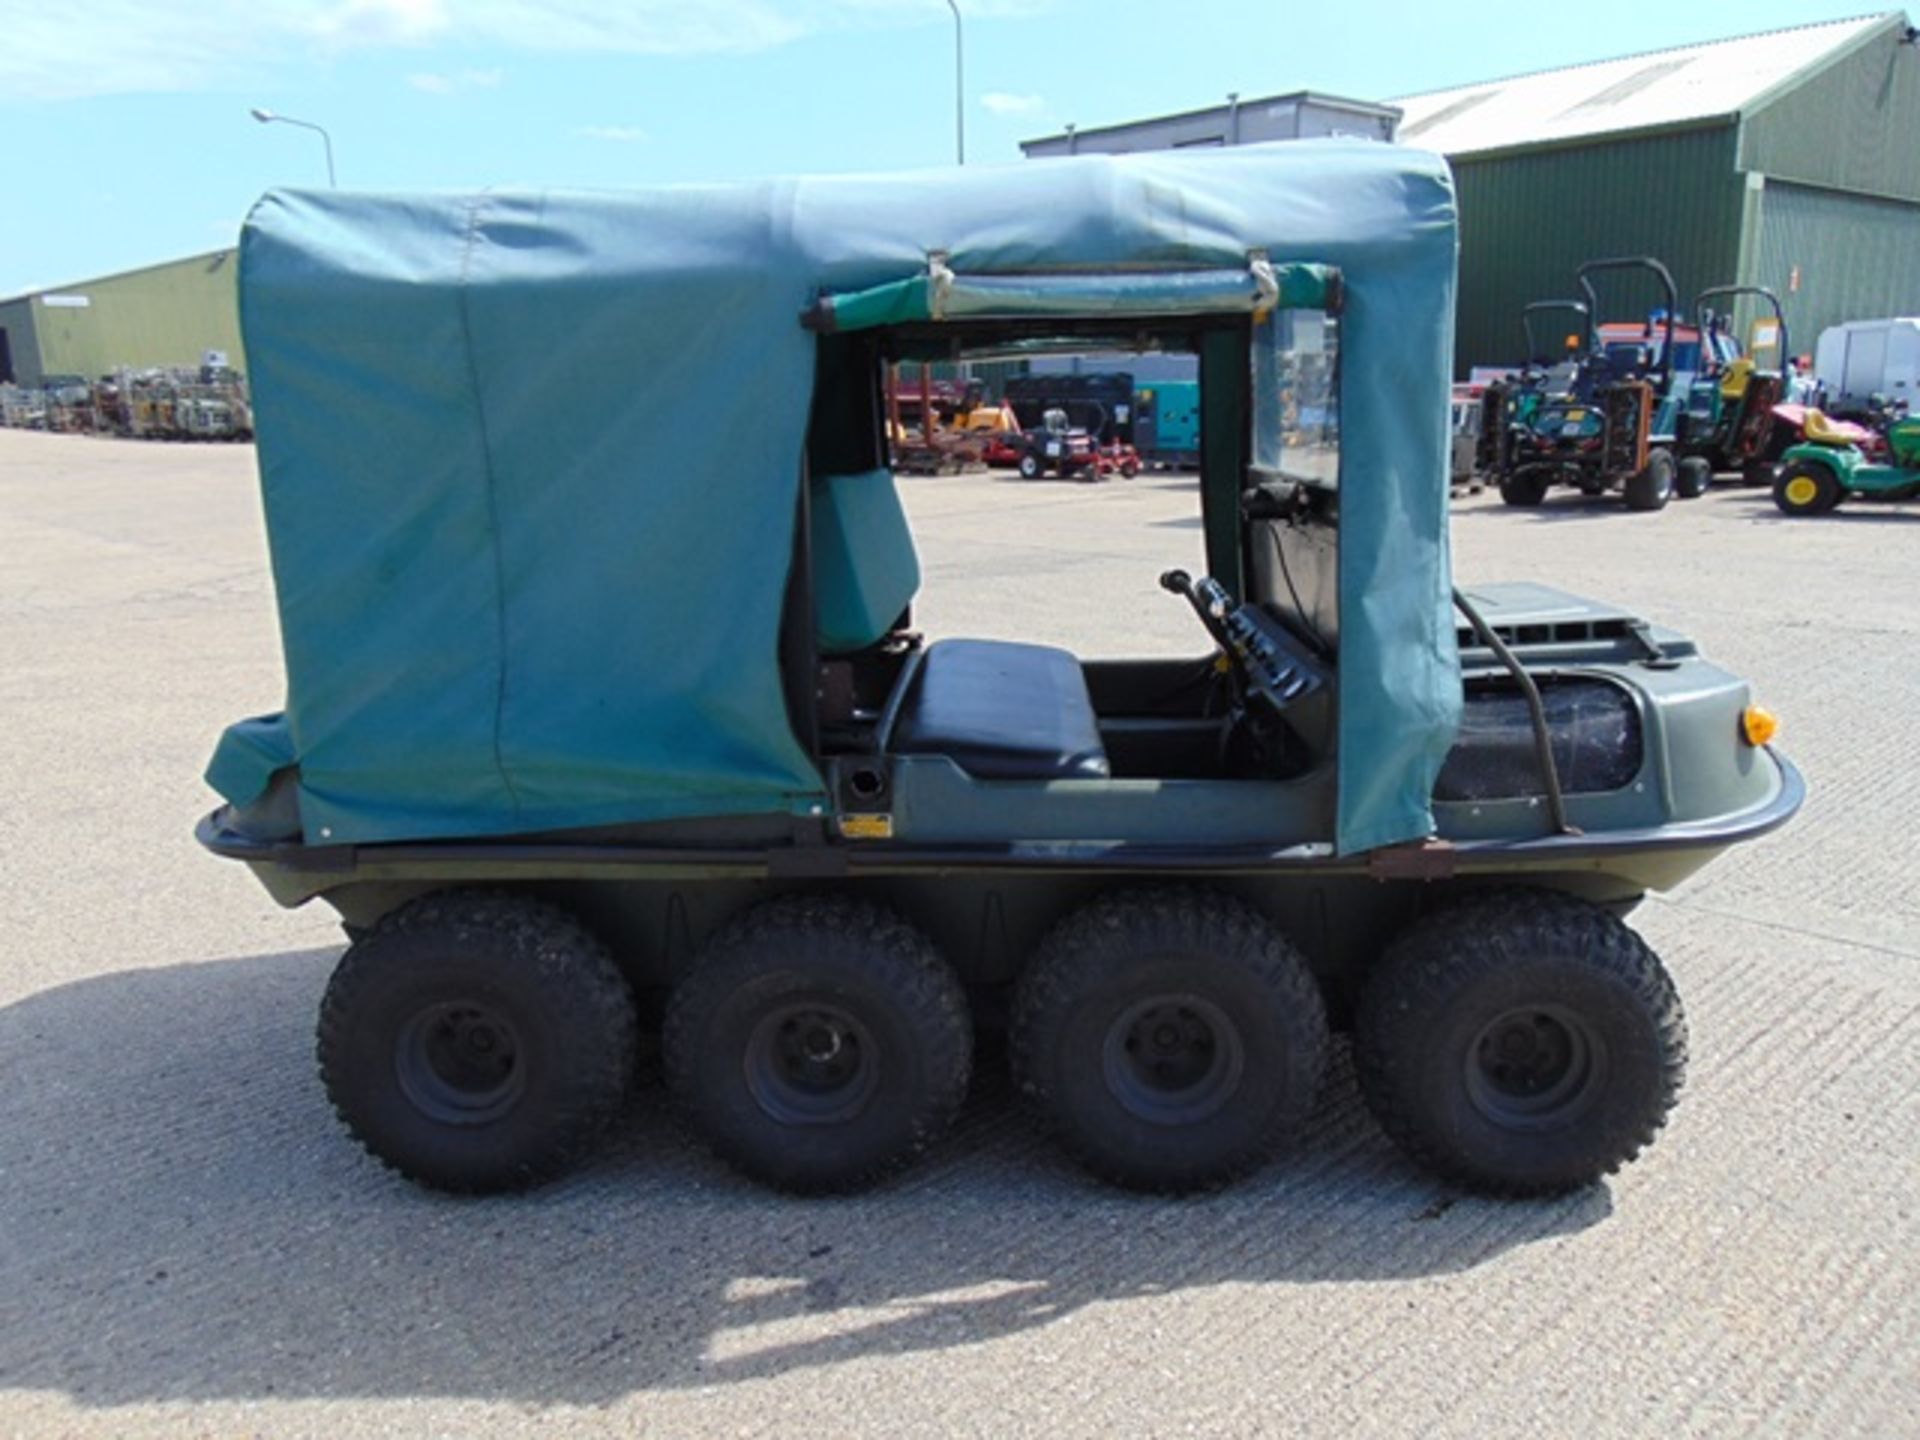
(1821, 431)
(1000, 711)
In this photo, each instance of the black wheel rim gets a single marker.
(460, 1063)
(812, 1064)
(1535, 1067)
(1172, 1059)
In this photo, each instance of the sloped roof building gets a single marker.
(1789, 159)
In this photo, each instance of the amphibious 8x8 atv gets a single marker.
(593, 725)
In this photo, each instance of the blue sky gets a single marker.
(128, 141)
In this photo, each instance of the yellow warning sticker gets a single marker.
(867, 827)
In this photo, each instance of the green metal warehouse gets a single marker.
(1789, 159)
(169, 314)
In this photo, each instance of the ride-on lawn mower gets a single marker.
(1729, 422)
(1613, 427)
(1058, 446)
(1508, 404)
(1817, 475)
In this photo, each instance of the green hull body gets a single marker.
(985, 867)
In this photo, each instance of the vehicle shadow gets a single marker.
(1762, 510)
(181, 1219)
(1559, 506)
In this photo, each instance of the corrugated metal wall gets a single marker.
(1854, 125)
(1833, 257)
(23, 351)
(1527, 219)
(167, 315)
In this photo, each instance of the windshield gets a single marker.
(1296, 390)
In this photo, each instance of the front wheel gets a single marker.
(1693, 477)
(1806, 487)
(1520, 1042)
(1651, 488)
(1524, 489)
(477, 1042)
(1029, 467)
(1171, 1038)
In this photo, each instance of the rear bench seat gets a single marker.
(1001, 711)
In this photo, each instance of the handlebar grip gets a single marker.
(1177, 582)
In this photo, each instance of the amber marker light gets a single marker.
(1758, 724)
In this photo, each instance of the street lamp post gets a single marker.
(959, 85)
(267, 117)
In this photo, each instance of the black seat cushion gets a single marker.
(1002, 711)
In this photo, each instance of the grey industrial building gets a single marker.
(1789, 159)
(1300, 116)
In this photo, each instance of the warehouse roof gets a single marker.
(1655, 89)
(33, 292)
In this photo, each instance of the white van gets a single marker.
(1868, 357)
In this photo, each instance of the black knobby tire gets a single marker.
(1651, 488)
(1171, 1038)
(477, 1041)
(820, 1044)
(1693, 477)
(1524, 489)
(1806, 487)
(1030, 466)
(1520, 1042)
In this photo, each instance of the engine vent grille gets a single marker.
(1553, 632)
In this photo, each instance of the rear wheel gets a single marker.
(1171, 1038)
(1651, 488)
(1520, 1043)
(1523, 488)
(820, 1043)
(1806, 487)
(477, 1042)
(1693, 477)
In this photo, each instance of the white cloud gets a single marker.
(617, 134)
(137, 46)
(1000, 102)
(436, 83)
(373, 22)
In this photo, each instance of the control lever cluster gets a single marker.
(1275, 666)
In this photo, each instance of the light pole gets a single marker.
(959, 84)
(267, 117)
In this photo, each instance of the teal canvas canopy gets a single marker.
(531, 462)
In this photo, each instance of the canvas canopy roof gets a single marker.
(530, 464)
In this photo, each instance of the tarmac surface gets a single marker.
(189, 1245)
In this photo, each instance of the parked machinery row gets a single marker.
(206, 402)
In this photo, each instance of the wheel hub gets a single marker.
(811, 1064)
(459, 1063)
(1172, 1059)
(1534, 1067)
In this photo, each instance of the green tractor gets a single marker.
(1729, 422)
(1613, 427)
(1817, 475)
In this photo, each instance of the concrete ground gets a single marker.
(189, 1245)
